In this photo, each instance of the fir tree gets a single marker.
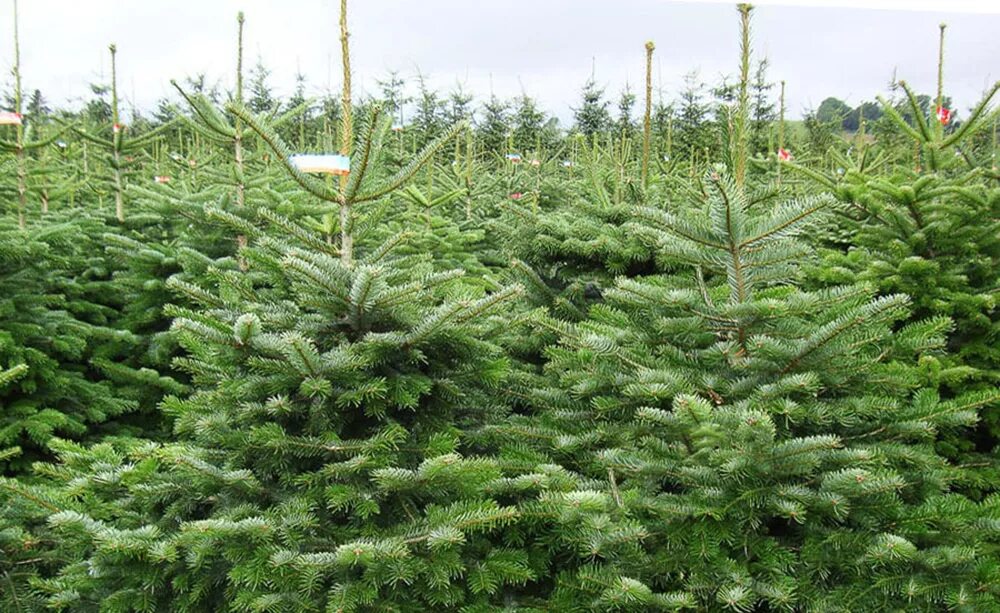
(932, 233)
(295, 131)
(592, 117)
(37, 108)
(625, 127)
(691, 133)
(261, 98)
(528, 123)
(763, 111)
(748, 444)
(492, 127)
(458, 107)
(392, 96)
(428, 116)
(333, 468)
(49, 386)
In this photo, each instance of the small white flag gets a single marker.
(334, 164)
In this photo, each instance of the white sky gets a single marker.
(546, 47)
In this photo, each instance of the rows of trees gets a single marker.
(686, 126)
(596, 379)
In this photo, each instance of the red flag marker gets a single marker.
(943, 115)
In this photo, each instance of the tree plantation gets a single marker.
(262, 354)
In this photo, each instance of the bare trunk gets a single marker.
(119, 200)
(346, 240)
(22, 190)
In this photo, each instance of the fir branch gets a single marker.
(419, 161)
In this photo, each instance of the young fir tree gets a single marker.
(764, 112)
(574, 241)
(428, 116)
(319, 463)
(748, 444)
(493, 126)
(50, 388)
(591, 118)
(392, 97)
(528, 124)
(624, 125)
(297, 131)
(261, 98)
(119, 146)
(692, 131)
(458, 107)
(21, 139)
(933, 233)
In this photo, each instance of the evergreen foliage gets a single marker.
(496, 365)
(592, 117)
(48, 334)
(750, 444)
(319, 463)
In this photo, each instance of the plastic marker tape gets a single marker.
(329, 163)
(10, 118)
(514, 157)
(161, 179)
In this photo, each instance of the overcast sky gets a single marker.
(545, 47)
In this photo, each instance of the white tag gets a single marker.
(10, 118)
(514, 157)
(334, 164)
(161, 179)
